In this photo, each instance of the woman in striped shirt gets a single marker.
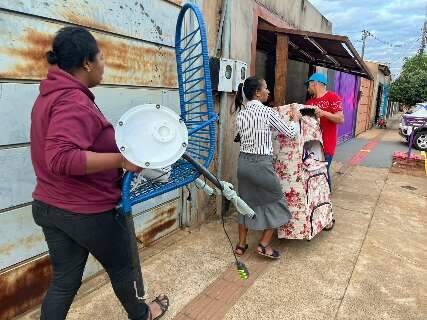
(258, 184)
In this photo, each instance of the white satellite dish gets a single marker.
(151, 136)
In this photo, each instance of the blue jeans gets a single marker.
(109, 237)
(328, 159)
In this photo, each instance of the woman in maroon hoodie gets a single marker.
(79, 170)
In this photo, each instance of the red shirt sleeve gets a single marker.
(335, 103)
(72, 130)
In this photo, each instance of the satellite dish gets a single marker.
(151, 136)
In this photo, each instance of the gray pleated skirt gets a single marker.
(260, 188)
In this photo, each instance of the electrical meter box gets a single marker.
(240, 73)
(222, 74)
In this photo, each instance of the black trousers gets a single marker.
(109, 237)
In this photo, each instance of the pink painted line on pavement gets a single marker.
(363, 153)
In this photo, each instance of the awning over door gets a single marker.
(319, 49)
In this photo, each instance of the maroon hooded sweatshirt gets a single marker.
(65, 122)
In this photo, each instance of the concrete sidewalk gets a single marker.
(372, 265)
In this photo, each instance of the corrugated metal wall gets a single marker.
(137, 38)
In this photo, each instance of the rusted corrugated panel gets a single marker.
(159, 222)
(16, 177)
(23, 287)
(178, 2)
(151, 20)
(16, 173)
(112, 101)
(21, 238)
(16, 101)
(24, 42)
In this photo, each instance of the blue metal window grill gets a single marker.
(196, 106)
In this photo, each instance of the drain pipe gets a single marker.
(225, 32)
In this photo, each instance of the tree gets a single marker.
(411, 86)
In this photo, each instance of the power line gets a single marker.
(366, 34)
(386, 42)
(414, 44)
(414, 39)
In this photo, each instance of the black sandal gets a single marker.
(242, 249)
(331, 227)
(163, 302)
(274, 255)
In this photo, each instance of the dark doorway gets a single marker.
(379, 101)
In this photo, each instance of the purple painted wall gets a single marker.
(347, 87)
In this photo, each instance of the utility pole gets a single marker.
(365, 34)
(424, 35)
(423, 39)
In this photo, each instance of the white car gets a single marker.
(415, 119)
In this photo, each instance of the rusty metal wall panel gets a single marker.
(150, 20)
(130, 64)
(158, 222)
(23, 286)
(16, 101)
(112, 101)
(22, 239)
(138, 52)
(178, 2)
(25, 40)
(16, 177)
(16, 173)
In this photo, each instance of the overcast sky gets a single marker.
(397, 25)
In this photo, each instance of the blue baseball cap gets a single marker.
(319, 77)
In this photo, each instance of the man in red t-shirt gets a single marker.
(329, 110)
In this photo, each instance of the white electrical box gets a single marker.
(222, 74)
(240, 73)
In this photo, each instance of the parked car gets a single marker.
(415, 120)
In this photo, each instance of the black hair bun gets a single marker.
(51, 57)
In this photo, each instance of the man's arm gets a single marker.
(337, 117)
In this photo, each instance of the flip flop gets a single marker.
(274, 255)
(242, 249)
(163, 302)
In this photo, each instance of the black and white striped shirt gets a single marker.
(254, 124)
